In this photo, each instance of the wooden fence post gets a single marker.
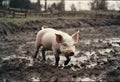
(13, 13)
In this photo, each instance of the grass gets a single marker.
(20, 21)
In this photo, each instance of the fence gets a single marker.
(13, 12)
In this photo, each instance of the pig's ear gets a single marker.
(43, 27)
(75, 37)
(59, 38)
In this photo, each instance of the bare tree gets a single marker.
(79, 3)
(52, 8)
(62, 5)
(73, 8)
(118, 5)
(45, 5)
(58, 7)
(39, 5)
(99, 5)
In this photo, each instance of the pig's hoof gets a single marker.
(56, 65)
(34, 59)
(66, 62)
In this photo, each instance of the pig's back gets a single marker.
(47, 37)
(42, 34)
(49, 34)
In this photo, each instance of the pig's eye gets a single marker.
(64, 44)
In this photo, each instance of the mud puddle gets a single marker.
(97, 57)
(93, 64)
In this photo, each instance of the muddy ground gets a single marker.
(97, 57)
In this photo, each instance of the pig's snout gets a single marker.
(71, 53)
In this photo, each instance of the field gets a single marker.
(97, 57)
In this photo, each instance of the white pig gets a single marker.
(57, 41)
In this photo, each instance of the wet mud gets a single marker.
(97, 57)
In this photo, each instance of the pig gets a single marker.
(57, 41)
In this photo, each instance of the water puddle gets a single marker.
(89, 58)
(30, 59)
(35, 79)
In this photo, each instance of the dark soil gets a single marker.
(97, 57)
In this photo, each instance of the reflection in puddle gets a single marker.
(35, 79)
(87, 79)
(104, 51)
(77, 79)
(20, 57)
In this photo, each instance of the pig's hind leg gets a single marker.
(36, 52)
(43, 54)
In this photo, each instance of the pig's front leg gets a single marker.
(57, 58)
(67, 60)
